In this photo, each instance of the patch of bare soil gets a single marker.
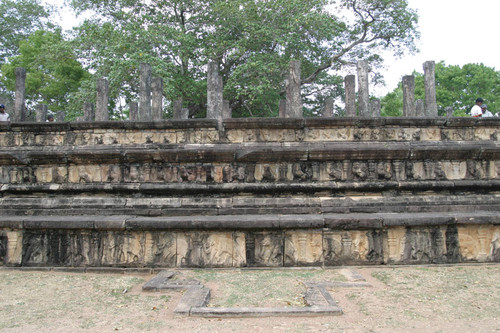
(411, 299)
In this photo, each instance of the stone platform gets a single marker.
(254, 192)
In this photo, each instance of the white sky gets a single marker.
(454, 31)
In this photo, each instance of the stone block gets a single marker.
(265, 249)
(203, 249)
(303, 248)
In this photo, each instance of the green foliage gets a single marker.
(53, 73)
(252, 41)
(18, 20)
(456, 86)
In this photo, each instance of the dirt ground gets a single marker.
(411, 299)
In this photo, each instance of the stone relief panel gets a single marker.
(122, 248)
(345, 247)
(264, 249)
(395, 244)
(479, 242)
(160, 249)
(239, 249)
(359, 171)
(205, 249)
(424, 245)
(303, 248)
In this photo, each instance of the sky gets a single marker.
(457, 32)
(454, 31)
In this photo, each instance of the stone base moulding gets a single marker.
(250, 241)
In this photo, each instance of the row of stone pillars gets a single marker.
(150, 106)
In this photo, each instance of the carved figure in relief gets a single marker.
(359, 170)
(384, 170)
(268, 251)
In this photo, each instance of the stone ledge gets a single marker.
(311, 311)
(251, 222)
(253, 152)
(255, 188)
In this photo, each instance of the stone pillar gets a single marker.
(145, 92)
(157, 98)
(227, 113)
(177, 105)
(409, 96)
(431, 109)
(363, 89)
(19, 109)
(60, 116)
(88, 111)
(350, 95)
(101, 112)
(214, 92)
(282, 108)
(328, 112)
(133, 111)
(375, 108)
(449, 111)
(41, 111)
(293, 98)
(420, 108)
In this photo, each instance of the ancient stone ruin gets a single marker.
(223, 192)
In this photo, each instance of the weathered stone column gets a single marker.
(133, 111)
(282, 108)
(60, 116)
(420, 108)
(293, 98)
(363, 89)
(145, 92)
(375, 108)
(157, 98)
(41, 113)
(431, 109)
(350, 95)
(88, 111)
(449, 111)
(177, 106)
(227, 113)
(19, 109)
(214, 92)
(409, 96)
(101, 111)
(328, 111)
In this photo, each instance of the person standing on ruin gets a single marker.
(486, 112)
(4, 116)
(476, 109)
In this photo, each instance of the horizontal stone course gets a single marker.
(354, 221)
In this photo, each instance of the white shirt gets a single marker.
(476, 111)
(487, 114)
(4, 116)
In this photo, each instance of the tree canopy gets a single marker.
(252, 41)
(18, 19)
(456, 87)
(53, 72)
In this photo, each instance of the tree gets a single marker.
(18, 19)
(252, 41)
(53, 73)
(456, 87)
